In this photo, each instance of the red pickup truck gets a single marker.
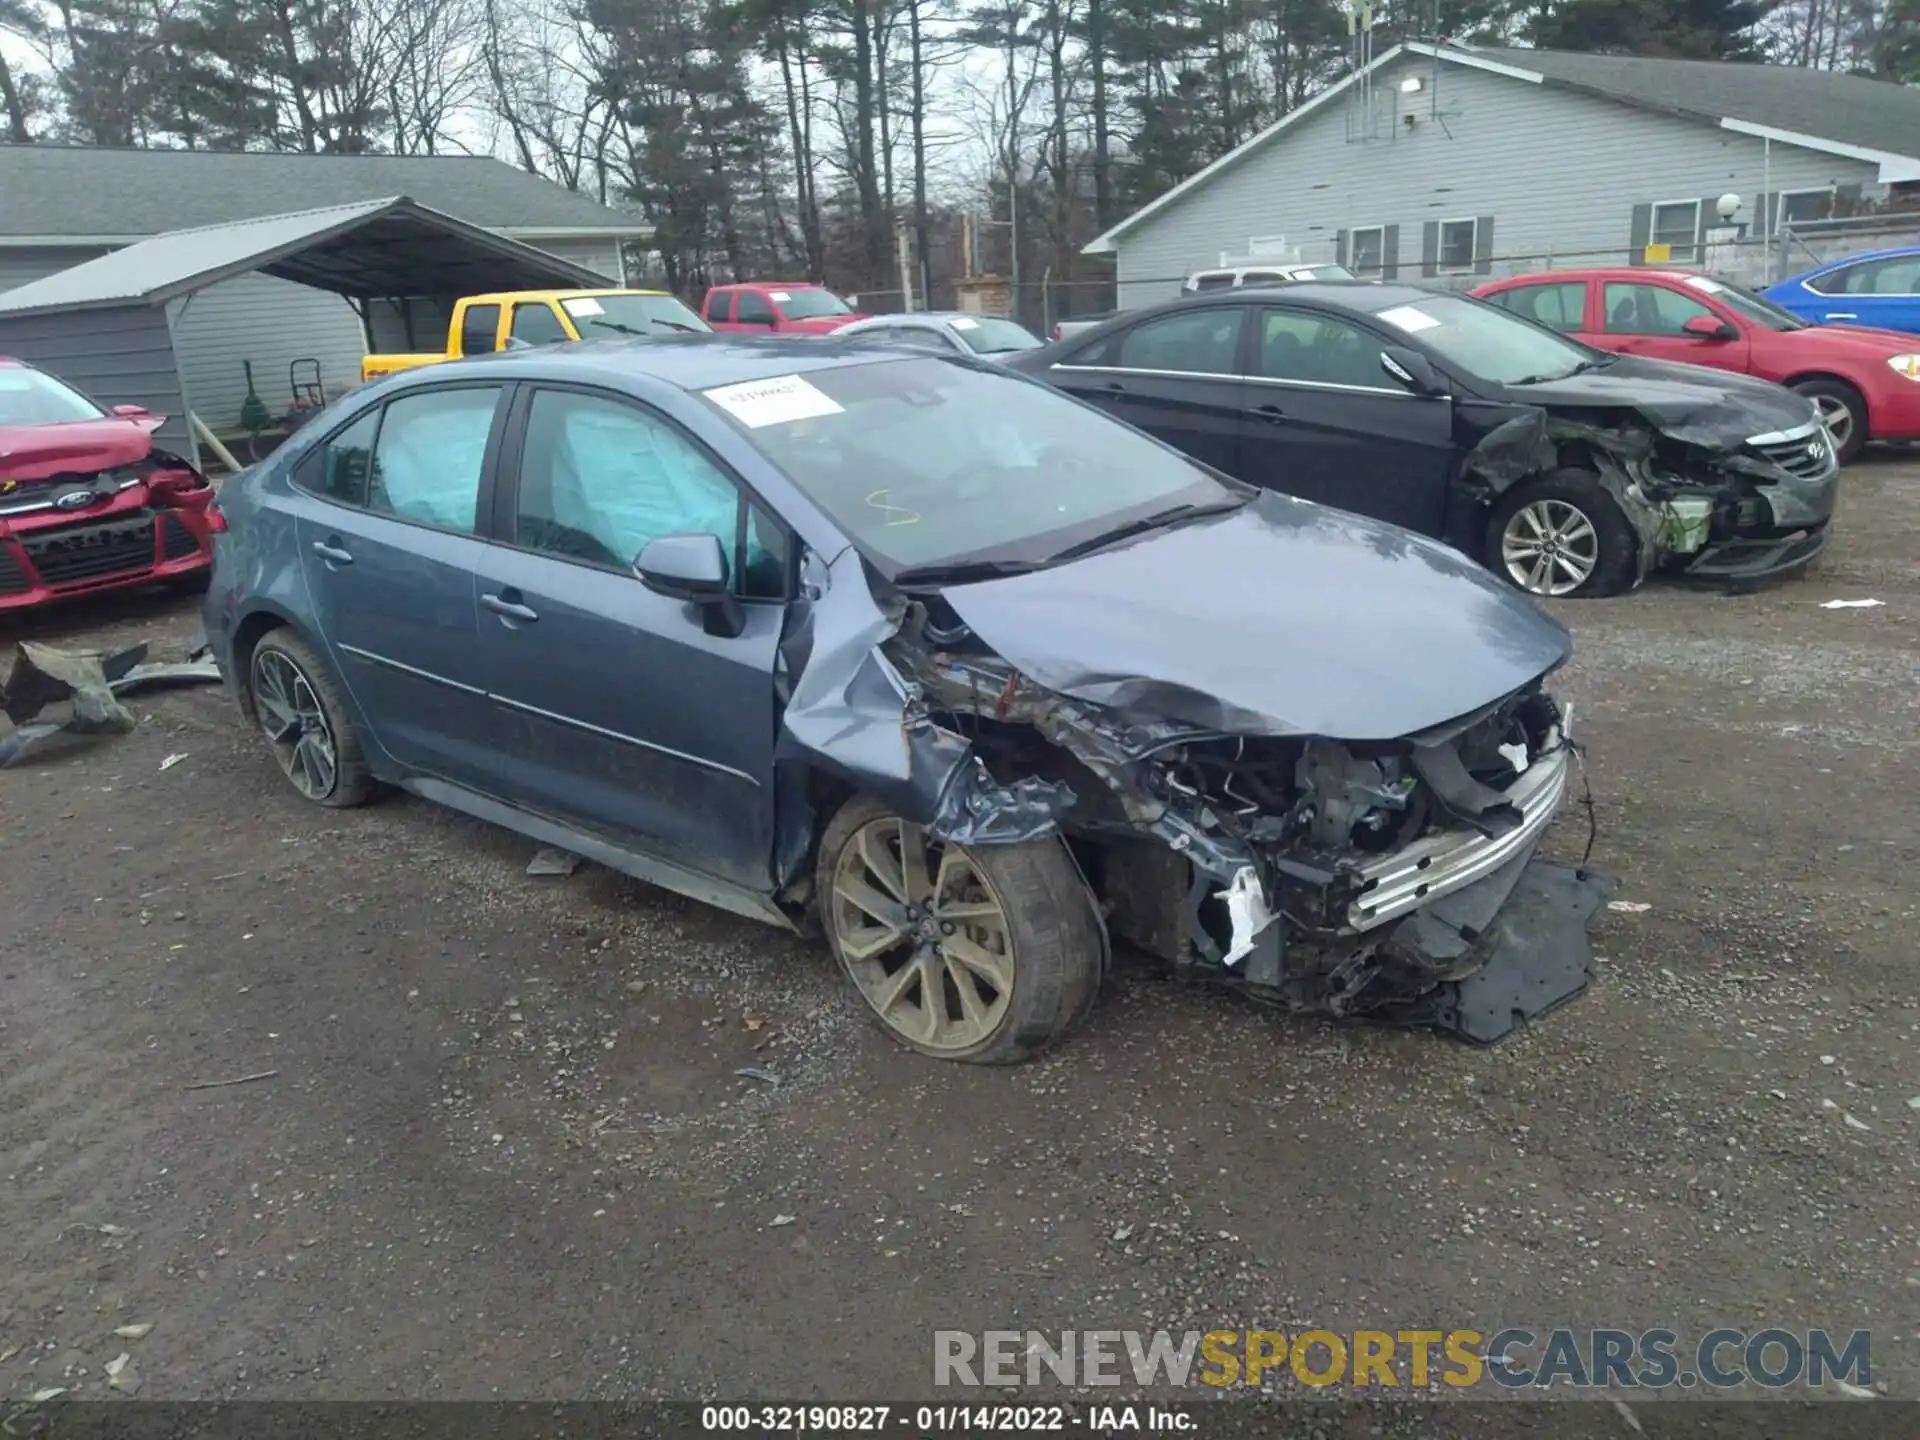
(776, 307)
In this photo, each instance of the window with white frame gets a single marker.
(1799, 206)
(1456, 246)
(1676, 224)
(1367, 251)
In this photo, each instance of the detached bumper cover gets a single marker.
(1744, 558)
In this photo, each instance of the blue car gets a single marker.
(1880, 290)
(926, 656)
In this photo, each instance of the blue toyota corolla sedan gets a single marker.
(928, 657)
(1879, 290)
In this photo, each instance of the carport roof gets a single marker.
(376, 249)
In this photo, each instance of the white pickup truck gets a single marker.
(1225, 278)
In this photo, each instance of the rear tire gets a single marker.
(985, 955)
(298, 707)
(1843, 410)
(1561, 536)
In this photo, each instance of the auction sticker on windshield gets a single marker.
(1407, 318)
(966, 322)
(584, 306)
(779, 401)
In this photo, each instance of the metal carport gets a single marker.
(105, 326)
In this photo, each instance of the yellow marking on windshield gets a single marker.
(875, 500)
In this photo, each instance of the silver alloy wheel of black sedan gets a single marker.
(295, 723)
(1550, 547)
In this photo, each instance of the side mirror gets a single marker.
(129, 412)
(1708, 327)
(692, 568)
(1413, 370)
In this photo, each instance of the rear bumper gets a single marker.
(140, 547)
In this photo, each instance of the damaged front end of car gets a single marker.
(1706, 499)
(1390, 880)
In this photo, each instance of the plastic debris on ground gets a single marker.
(754, 1072)
(781, 1220)
(89, 683)
(1850, 604)
(1629, 907)
(549, 860)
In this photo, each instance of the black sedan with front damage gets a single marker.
(927, 656)
(1568, 470)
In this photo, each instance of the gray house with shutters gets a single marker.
(63, 205)
(1458, 162)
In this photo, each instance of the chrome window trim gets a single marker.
(1239, 379)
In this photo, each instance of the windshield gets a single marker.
(595, 316)
(809, 304)
(994, 335)
(924, 463)
(33, 397)
(1487, 342)
(1751, 306)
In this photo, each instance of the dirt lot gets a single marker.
(505, 1151)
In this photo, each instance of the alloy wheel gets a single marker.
(1550, 547)
(295, 724)
(923, 935)
(1837, 416)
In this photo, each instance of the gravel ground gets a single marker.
(505, 1153)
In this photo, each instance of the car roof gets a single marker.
(1366, 296)
(903, 316)
(524, 295)
(686, 362)
(768, 285)
(1895, 253)
(1598, 272)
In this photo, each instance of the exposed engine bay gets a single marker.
(1346, 878)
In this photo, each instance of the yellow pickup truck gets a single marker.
(484, 323)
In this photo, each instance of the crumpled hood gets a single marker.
(1690, 403)
(75, 447)
(1279, 618)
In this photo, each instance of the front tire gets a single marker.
(986, 955)
(299, 709)
(1843, 410)
(1561, 536)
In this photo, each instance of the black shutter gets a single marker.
(1430, 248)
(1639, 232)
(1483, 245)
(1390, 253)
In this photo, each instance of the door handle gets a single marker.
(329, 549)
(1114, 387)
(1272, 414)
(512, 609)
(1841, 315)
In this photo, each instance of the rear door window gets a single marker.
(1188, 342)
(1561, 305)
(430, 456)
(342, 468)
(479, 327)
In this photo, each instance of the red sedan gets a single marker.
(1866, 383)
(86, 502)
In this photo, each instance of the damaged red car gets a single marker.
(87, 503)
